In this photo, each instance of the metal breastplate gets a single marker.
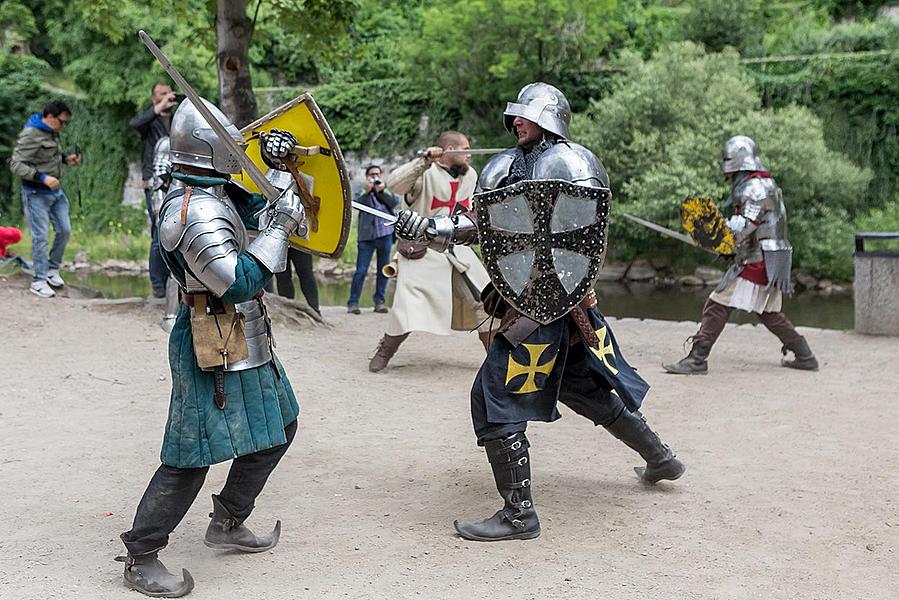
(761, 200)
(255, 322)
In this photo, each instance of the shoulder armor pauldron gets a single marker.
(495, 171)
(210, 239)
(571, 162)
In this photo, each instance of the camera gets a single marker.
(179, 98)
(377, 181)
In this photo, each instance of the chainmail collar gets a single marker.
(524, 161)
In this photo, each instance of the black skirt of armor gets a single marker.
(524, 383)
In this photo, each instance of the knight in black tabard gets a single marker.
(541, 219)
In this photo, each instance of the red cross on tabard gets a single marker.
(452, 202)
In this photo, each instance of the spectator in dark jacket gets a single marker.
(152, 124)
(375, 235)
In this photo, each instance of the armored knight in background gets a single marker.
(760, 273)
(542, 223)
(159, 188)
(230, 397)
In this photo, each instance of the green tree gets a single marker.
(480, 53)
(721, 23)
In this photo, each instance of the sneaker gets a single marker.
(54, 279)
(380, 307)
(42, 289)
(353, 309)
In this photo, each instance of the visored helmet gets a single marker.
(741, 153)
(195, 144)
(542, 104)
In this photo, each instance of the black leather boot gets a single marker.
(146, 574)
(695, 363)
(227, 533)
(517, 520)
(632, 429)
(804, 360)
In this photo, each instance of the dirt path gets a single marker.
(790, 490)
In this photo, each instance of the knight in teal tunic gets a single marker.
(230, 395)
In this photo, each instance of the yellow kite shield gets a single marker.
(319, 162)
(706, 225)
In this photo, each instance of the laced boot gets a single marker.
(804, 360)
(146, 574)
(517, 520)
(633, 430)
(695, 363)
(228, 533)
(386, 349)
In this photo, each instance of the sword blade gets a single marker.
(467, 151)
(476, 151)
(664, 231)
(264, 185)
(373, 211)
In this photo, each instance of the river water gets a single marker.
(645, 301)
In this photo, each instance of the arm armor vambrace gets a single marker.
(270, 246)
(446, 231)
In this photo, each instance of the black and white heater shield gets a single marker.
(543, 243)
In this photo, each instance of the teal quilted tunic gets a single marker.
(258, 403)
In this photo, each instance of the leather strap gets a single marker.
(219, 376)
(580, 318)
(184, 202)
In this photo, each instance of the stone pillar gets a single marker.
(876, 287)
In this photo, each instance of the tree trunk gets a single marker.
(233, 30)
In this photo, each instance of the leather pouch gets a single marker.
(411, 250)
(217, 328)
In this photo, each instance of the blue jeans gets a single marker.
(42, 209)
(366, 248)
(159, 273)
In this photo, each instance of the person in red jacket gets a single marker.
(8, 237)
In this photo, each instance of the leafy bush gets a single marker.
(660, 134)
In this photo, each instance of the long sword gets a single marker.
(466, 151)
(665, 231)
(264, 185)
(373, 211)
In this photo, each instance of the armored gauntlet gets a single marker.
(275, 146)
(439, 233)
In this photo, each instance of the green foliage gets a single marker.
(721, 23)
(106, 144)
(504, 44)
(98, 47)
(16, 18)
(854, 96)
(378, 116)
(660, 134)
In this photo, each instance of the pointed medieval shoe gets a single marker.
(227, 533)
(387, 347)
(804, 360)
(146, 574)
(661, 463)
(517, 520)
(695, 363)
